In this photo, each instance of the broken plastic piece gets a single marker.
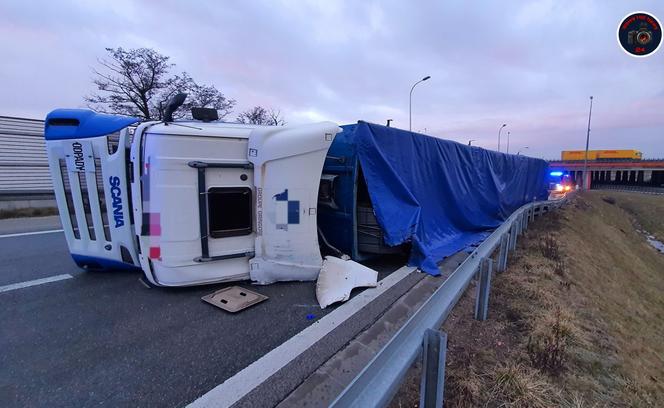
(338, 277)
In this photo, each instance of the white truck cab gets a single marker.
(189, 202)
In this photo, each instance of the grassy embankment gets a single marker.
(577, 320)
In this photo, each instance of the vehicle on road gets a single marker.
(601, 155)
(202, 201)
(139, 198)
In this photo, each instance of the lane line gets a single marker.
(22, 234)
(35, 282)
(239, 385)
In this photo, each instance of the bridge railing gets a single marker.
(629, 188)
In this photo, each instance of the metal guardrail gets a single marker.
(377, 383)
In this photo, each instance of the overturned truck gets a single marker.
(202, 201)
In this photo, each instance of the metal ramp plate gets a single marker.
(234, 298)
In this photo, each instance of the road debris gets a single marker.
(234, 298)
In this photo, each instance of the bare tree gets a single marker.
(255, 116)
(259, 115)
(137, 82)
(275, 118)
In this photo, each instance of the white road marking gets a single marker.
(35, 282)
(236, 387)
(22, 234)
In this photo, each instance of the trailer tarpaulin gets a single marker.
(440, 195)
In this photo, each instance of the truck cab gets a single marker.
(189, 202)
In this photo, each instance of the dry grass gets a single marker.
(549, 342)
(576, 321)
(518, 386)
(620, 279)
(647, 210)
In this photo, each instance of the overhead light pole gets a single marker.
(524, 148)
(500, 130)
(508, 141)
(471, 141)
(389, 121)
(410, 103)
(585, 160)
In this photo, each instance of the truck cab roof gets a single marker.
(84, 123)
(199, 128)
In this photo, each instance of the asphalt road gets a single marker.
(105, 339)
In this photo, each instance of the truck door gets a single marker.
(288, 163)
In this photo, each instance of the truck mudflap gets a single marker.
(288, 163)
(88, 166)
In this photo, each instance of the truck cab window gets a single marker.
(230, 210)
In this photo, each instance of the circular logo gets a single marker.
(640, 34)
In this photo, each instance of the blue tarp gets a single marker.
(440, 195)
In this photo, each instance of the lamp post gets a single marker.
(508, 141)
(585, 160)
(500, 130)
(388, 122)
(410, 103)
(471, 141)
(524, 148)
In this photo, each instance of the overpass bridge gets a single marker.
(642, 173)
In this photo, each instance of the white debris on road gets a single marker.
(338, 277)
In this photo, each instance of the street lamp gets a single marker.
(500, 130)
(585, 160)
(519, 152)
(508, 141)
(471, 141)
(388, 122)
(410, 103)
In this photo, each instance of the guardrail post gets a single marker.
(522, 220)
(516, 227)
(513, 237)
(532, 212)
(502, 254)
(432, 386)
(483, 288)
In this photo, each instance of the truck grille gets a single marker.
(102, 199)
(113, 140)
(69, 199)
(87, 197)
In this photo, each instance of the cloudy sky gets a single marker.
(531, 65)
